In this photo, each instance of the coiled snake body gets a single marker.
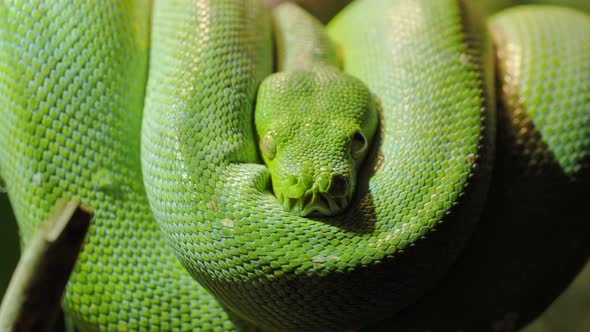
(166, 153)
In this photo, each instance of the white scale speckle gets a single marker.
(332, 259)
(211, 205)
(37, 179)
(320, 261)
(103, 179)
(227, 222)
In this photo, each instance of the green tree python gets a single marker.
(342, 192)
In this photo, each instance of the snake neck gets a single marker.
(302, 44)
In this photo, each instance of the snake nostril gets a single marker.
(296, 186)
(292, 180)
(338, 185)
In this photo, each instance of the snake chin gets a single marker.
(314, 204)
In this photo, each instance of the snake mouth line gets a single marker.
(314, 204)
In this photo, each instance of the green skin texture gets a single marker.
(315, 122)
(172, 170)
(341, 134)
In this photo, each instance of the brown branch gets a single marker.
(33, 298)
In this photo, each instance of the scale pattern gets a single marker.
(532, 238)
(212, 198)
(71, 101)
(72, 80)
(537, 58)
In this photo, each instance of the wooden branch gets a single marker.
(33, 298)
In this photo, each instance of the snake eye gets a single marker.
(358, 145)
(268, 147)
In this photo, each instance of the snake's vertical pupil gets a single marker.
(268, 147)
(358, 145)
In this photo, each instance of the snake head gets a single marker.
(314, 129)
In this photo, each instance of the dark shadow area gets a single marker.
(532, 240)
(9, 243)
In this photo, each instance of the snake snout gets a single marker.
(338, 186)
(325, 195)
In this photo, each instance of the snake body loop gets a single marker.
(189, 230)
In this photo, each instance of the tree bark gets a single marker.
(33, 298)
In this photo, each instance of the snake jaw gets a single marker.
(314, 205)
(324, 205)
(324, 198)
